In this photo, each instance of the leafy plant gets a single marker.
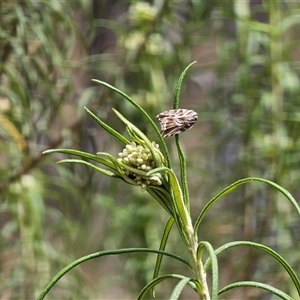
(142, 163)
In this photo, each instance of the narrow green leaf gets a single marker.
(162, 246)
(183, 173)
(181, 216)
(215, 269)
(156, 157)
(107, 128)
(234, 186)
(289, 22)
(178, 85)
(175, 187)
(81, 154)
(150, 286)
(72, 265)
(179, 288)
(159, 194)
(114, 161)
(144, 113)
(83, 162)
(259, 285)
(266, 249)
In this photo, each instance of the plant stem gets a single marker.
(198, 269)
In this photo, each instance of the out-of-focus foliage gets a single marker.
(244, 87)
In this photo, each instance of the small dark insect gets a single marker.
(175, 121)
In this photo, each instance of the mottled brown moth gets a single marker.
(175, 121)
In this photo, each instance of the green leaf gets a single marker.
(72, 265)
(159, 194)
(144, 113)
(234, 186)
(266, 249)
(156, 157)
(179, 288)
(181, 216)
(83, 162)
(183, 173)
(162, 246)
(81, 154)
(110, 130)
(289, 22)
(215, 269)
(178, 85)
(259, 285)
(150, 286)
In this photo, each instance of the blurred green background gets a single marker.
(245, 89)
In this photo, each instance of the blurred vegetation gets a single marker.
(245, 88)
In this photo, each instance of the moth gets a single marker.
(175, 121)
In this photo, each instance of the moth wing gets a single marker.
(169, 126)
(170, 131)
(175, 121)
(168, 114)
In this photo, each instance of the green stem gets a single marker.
(197, 268)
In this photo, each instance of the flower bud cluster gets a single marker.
(140, 158)
(142, 13)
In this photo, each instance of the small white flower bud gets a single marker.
(132, 160)
(129, 148)
(134, 154)
(140, 161)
